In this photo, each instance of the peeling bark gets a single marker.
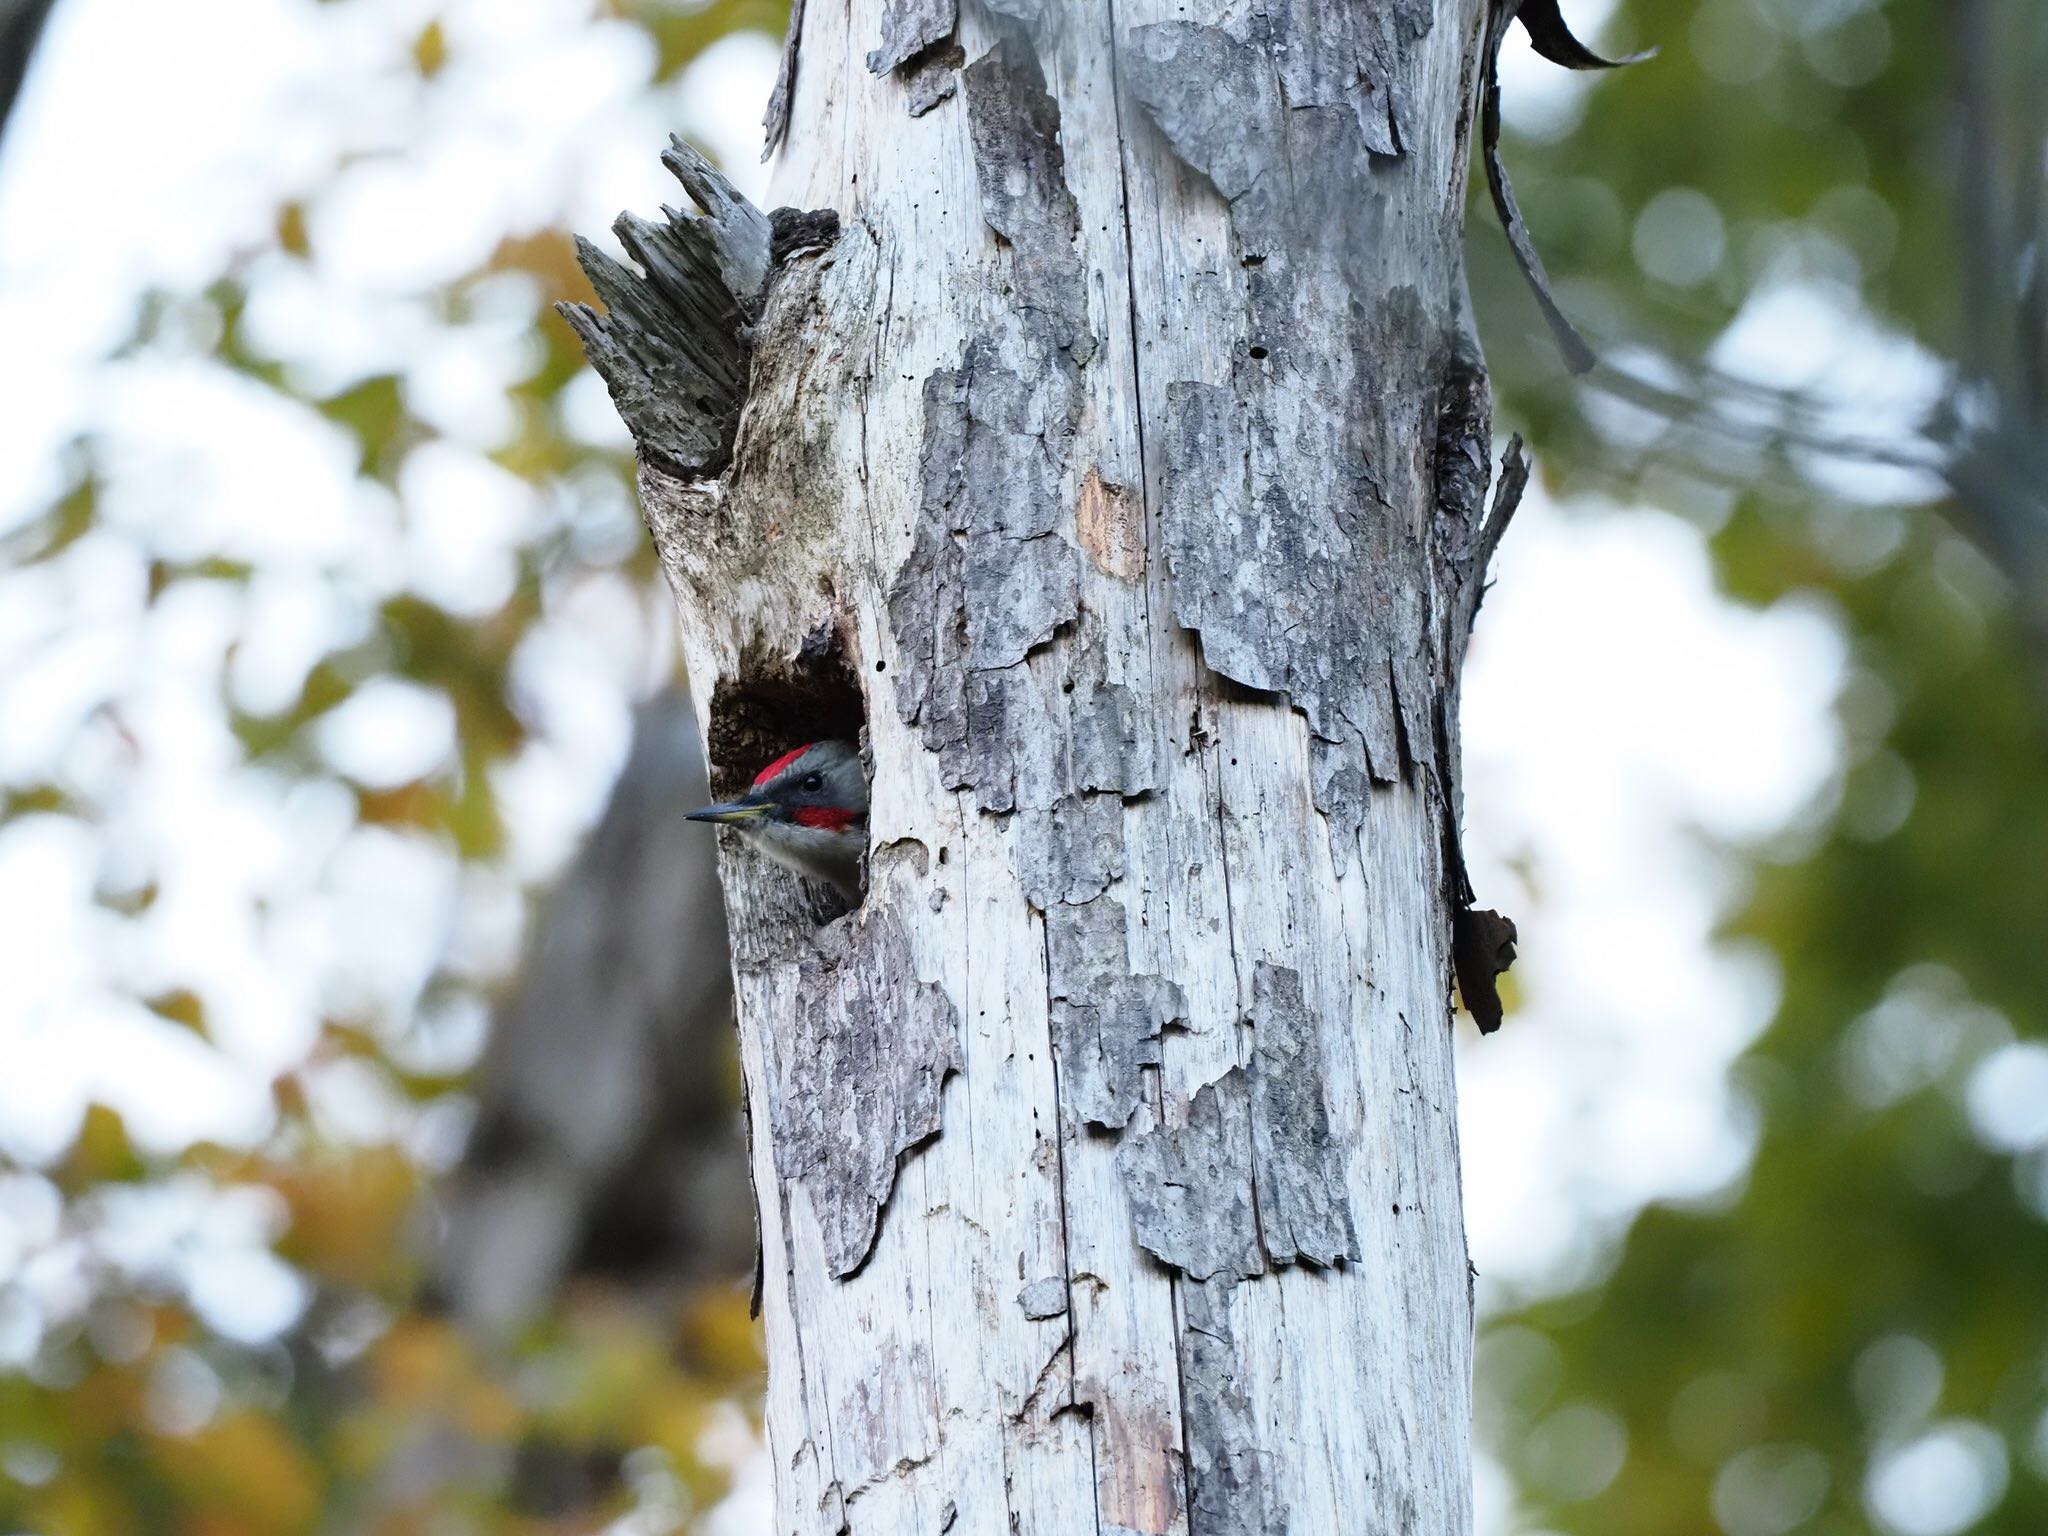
(1252, 1179)
(858, 1086)
(909, 27)
(1122, 438)
(1106, 1022)
(932, 80)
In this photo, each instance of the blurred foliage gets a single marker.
(1756, 1364)
(371, 1411)
(1851, 1339)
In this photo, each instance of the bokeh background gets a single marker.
(366, 1170)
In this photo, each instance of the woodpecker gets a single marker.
(808, 810)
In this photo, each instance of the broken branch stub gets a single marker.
(671, 344)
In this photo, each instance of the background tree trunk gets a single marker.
(606, 1143)
(1115, 459)
(21, 23)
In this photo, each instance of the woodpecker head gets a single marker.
(809, 810)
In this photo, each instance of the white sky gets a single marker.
(1616, 708)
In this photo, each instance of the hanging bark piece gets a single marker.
(1469, 531)
(1482, 948)
(859, 1077)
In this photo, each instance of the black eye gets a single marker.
(812, 781)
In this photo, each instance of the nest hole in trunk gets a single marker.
(777, 703)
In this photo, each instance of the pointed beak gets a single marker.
(746, 808)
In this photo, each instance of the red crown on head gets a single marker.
(779, 764)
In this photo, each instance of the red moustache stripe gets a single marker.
(831, 817)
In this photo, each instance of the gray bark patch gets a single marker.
(1015, 125)
(990, 578)
(1277, 574)
(1070, 851)
(1226, 1473)
(1282, 521)
(1111, 743)
(1304, 1205)
(933, 79)
(1106, 1022)
(671, 345)
(909, 27)
(1190, 1186)
(859, 1077)
(1044, 1298)
(1350, 58)
(1215, 98)
(1260, 1133)
(1303, 99)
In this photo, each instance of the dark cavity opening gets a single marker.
(778, 703)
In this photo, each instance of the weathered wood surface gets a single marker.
(1124, 442)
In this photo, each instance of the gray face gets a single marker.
(825, 781)
(809, 811)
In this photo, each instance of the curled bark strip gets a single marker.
(776, 122)
(1553, 40)
(1578, 356)
(1507, 496)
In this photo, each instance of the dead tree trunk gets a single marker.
(1106, 446)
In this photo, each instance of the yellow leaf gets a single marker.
(180, 1007)
(430, 50)
(347, 1213)
(241, 1473)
